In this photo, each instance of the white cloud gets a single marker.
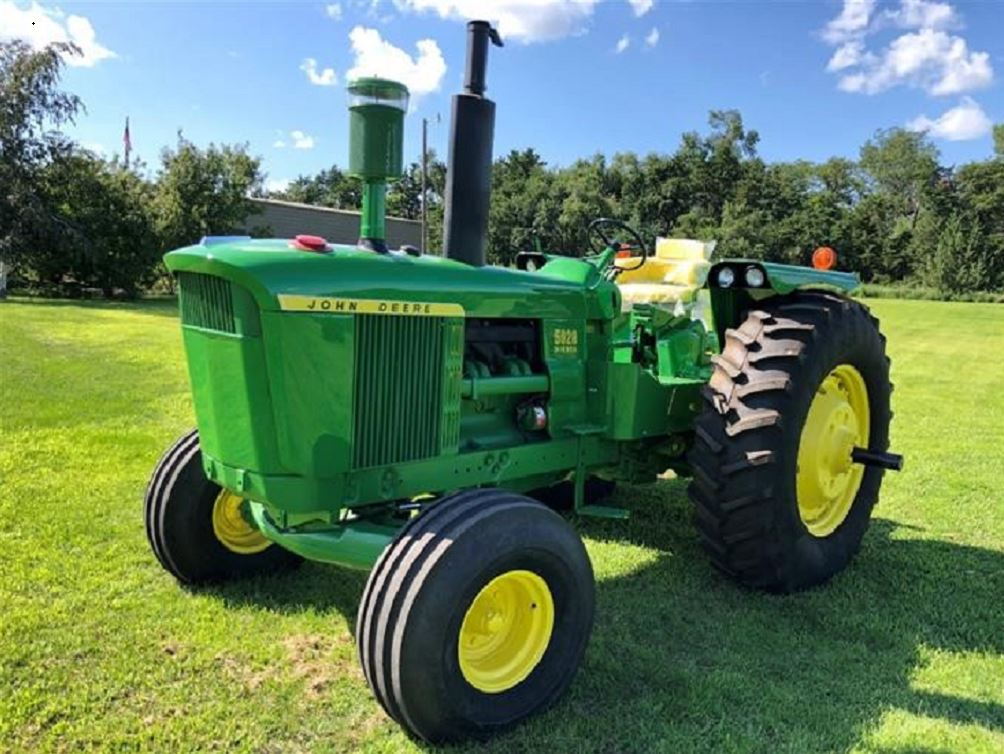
(41, 26)
(334, 11)
(927, 57)
(641, 7)
(848, 55)
(318, 76)
(374, 56)
(852, 21)
(301, 140)
(652, 38)
(932, 60)
(278, 144)
(523, 20)
(275, 185)
(963, 122)
(622, 44)
(924, 14)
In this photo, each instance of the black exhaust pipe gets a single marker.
(469, 171)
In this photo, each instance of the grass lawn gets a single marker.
(101, 649)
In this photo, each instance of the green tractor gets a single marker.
(408, 413)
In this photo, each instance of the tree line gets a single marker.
(70, 219)
(895, 215)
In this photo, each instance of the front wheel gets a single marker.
(199, 531)
(779, 502)
(476, 616)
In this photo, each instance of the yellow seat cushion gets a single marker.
(674, 273)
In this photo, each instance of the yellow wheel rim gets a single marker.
(506, 631)
(232, 529)
(826, 480)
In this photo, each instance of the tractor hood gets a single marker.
(280, 276)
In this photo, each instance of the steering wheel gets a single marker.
(599, 229)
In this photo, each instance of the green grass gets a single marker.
(100, 649)
(914, 291)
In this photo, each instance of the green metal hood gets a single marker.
(272, 268)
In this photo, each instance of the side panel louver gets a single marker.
(207, 302)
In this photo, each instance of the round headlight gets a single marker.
(726, 277)
(754, 277)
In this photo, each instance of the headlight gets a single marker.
(754, 277)
(726, 277)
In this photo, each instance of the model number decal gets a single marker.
(566, 341)
(325, 305)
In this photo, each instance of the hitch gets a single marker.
(890, 461)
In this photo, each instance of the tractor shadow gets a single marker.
(682, 659)
(310, 586)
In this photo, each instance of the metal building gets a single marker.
(288, 219)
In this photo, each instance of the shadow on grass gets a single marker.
(681, 659)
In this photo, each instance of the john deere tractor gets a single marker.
(406, 413)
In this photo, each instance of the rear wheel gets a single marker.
(476, 616)
(779, 504)
(199, 531)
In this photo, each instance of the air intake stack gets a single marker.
(376, 136)
(469, 175)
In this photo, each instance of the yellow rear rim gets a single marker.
(826, 480)
(232, 529)
(506, 631)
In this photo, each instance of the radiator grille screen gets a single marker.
(398, 402)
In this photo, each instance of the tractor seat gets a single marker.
(673, 274)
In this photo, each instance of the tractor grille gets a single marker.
(399, 389)
(207, 302)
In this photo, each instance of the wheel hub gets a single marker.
(506, 631)
(827, 480)
(232, 528)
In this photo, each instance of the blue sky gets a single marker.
(815, 78)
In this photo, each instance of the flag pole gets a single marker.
(127, 142)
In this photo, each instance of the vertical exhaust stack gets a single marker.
(469, 175)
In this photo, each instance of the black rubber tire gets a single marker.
(421, 587)
(746, 446)
(561, 496)
(178, 509)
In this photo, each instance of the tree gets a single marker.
(329, 188)
(107, 237)
(901, 164)
(524, 209)
(959, 262)
(31, 106)
(204, 191)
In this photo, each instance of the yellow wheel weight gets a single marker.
(826, 479)
(231, 527)
(506, 631)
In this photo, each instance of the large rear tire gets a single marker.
(778, 503)
(476, 616)
(199, 531)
